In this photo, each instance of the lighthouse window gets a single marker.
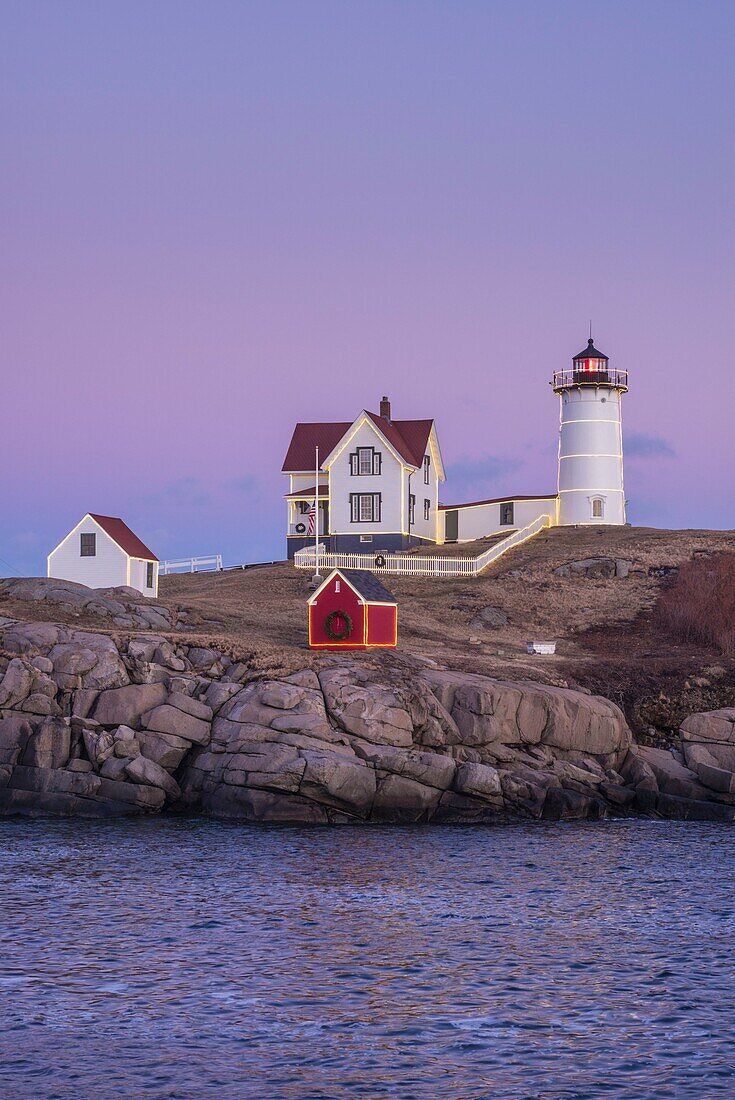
(598, 508)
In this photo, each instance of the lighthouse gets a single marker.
(591, 440)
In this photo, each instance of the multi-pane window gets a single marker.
(506, 512)
(365, 461)
(411, 509)
(427, 508)
(427, 464)
(149, 574)
(598, 508)
(365, 507)
(88, 545)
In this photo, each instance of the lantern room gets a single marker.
(590, 368)
(590, 365)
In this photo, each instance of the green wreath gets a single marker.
(338, 635)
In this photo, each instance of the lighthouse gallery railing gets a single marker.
(618, 379)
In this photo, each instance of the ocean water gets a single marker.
(191, 959)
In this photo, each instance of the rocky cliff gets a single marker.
(99, 724)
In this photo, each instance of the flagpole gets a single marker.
(316, 518)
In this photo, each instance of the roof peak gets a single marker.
(590, 352)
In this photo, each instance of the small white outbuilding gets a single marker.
(102, 552)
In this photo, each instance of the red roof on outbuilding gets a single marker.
(494, 500)
(126, 539)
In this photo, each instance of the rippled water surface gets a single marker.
(179, 959)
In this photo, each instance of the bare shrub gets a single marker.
(699, 607)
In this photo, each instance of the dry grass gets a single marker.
(264, 609)
(700, 606)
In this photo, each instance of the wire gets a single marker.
(11, 568)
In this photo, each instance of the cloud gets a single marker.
(641, 445)
(471, 470)
(185, 491)
(244, 485)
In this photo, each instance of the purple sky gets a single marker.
(219, 218)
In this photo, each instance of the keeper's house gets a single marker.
(379, 489)
(351, 609)
(102, 552)
(378, 483)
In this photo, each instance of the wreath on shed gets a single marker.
(338, 625)
(380, 561)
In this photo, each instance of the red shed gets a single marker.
(351, 609)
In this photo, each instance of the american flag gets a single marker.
(312, 517)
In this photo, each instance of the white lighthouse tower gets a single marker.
(591, 440)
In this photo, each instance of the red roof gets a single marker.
(496, 500)
(408, 437)
(301, 454)
(120, 533)
(309, 492)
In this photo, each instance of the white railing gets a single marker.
(415, 565)
(191, 565)
(541, 523)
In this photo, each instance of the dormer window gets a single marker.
(365, 461)
(427, 464)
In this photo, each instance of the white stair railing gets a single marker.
(415, 565)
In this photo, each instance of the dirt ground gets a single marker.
(266, 606)
(606, 639)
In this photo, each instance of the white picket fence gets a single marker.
(415, 565)
(191, 565)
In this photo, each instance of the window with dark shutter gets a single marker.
(365, 461)
(427, 463)
(149, 574)
(365, 507)
(427, 508)
(88, 545)
(411, 509)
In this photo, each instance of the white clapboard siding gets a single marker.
(107, 569)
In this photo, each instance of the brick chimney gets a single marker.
(385, 408)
